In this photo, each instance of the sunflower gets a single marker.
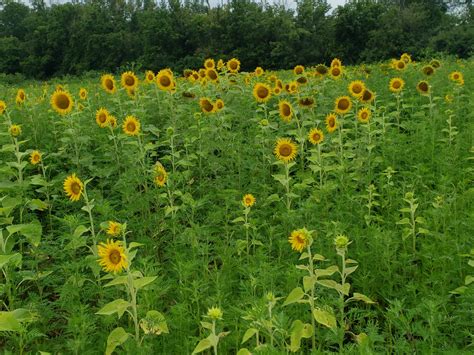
(149, 76)
(212, 75)
(129, 80)
(209, 63)
(306, 102)
(423, 87)
(206, 105)
(331, 122)
(102, 117)
(336, 63)
(449, 98)
(277, 90)
(35, 157)
(62, 102)
(335, 72)
(3, 107)
(364, 114)
(302, 80)
(20, 96)
(428, 70)
(248, 200)
(233, 65)
(343, 105)
(367, 96)
(259, 71)
(73, 187)
(202, 73)
(220, 64)
(299, 239)
(435, 63)
(262, 92)
(131, 126)
(272, 78)
(399, 65)
(456, 76)
(219, 104)
(286, 110)
(356, 88)
(14, 130)
(292, 87)
(112, 256)
(406, 58)
(82, 93)
(321, 69)
(161, 176)
(108, 83)
(396, 85)
(214, 313)
(112, 121)
(164, 80)
(298, 70)
(114, 228)
(316, 136)
(285, 150)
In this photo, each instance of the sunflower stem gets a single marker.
(91, 220)
(287, 185)
(320, 167)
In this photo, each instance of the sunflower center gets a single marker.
(212, 74)
(332, 122)
(367, 95)
(233, 65)
(364, 115)
(423, 87)
(316, 136)
(115, 257)
(207, 106)
(102, 118)
(131, 126)
(397, 84)
(129, 80)
(401, 65)
(300, 239)
(343, 104)
(456, 76)
(336, 71)
(109, 84)
(286, 150)
(286, 110)
(262, 92)
(22, 95)
(76, 188)
(357, 89)
(165, 81)
(62, 101)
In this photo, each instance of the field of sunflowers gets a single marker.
(314, 210)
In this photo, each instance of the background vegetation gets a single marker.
(42, 41)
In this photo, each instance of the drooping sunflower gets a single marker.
(306, 102)
(35, 157)
(102, 117)
(435, 63)
(233, 65)
(62, 102)
(423, 87)
(321, 69)
(108, 83)
(149, 77)
(207, 106)
(399, 65)
(315, 136)
(298, 70)
(112, 256)
(82, 93)
(367, 96)
(293, 87)
(335, 72)
(364, 114)
(286, 110)
(302, 80)
(406, 58)
(114, 228)
(356, 88)
(112, 121)
(343, 105)
(279, 83)
(336, 62)
(331, 122)
(14, 130)
(248, 200)
(285, 150)
(262, 92)
(3, 107)
(259, 71)
(219, 104)
(129, 80)
(161, 176)
(131, 126)
(209, 63)
(299, 239)
(202, 73)
(396, 85)
(165, 81)
(212, 75)
(220, 64)
(20, 96)
(73, 187)
(428, 70)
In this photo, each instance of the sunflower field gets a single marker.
(323, 209)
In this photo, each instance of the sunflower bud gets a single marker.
(341, 242)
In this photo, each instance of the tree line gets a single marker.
(42, 40)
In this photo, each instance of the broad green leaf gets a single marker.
(135, 245)
(119, 280)
(118, 306)
(248, 334)
(308, 283)
(238, 219)
(80, 230)
(12, 258)
(202, 345)
(404, 221)
(295, 295)
(326, 272)
(117, 337)
(318, 257)
(325, 318)
(154, 323)
(350, 270)
(303, 256)
(423, 231)
(8, 322)
(330, 284)
(32, 231)
(468, 280)
(206, 325)
(37, 205)
(140, 283)
(244, 351)
(298, 331)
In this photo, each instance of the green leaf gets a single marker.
(117, 337)
(244, 351)
(298, 331)
(318, 257)
(330, 284)
(303, 256)
(308, 283)
(119, 280)
(140, 283)
(80, 230)
(404, 221)
(468, 280)
(9, 323)
(325, 318)
(326, 272)
(202, 345)
(12, 258)
(154, 323)
(248, 334)
(360, 297)
(118, 306)
(238, 219)
(32, 231)
(350, 270)
(134, 245)
(295, 295)
(423, 231)
(37, 205)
